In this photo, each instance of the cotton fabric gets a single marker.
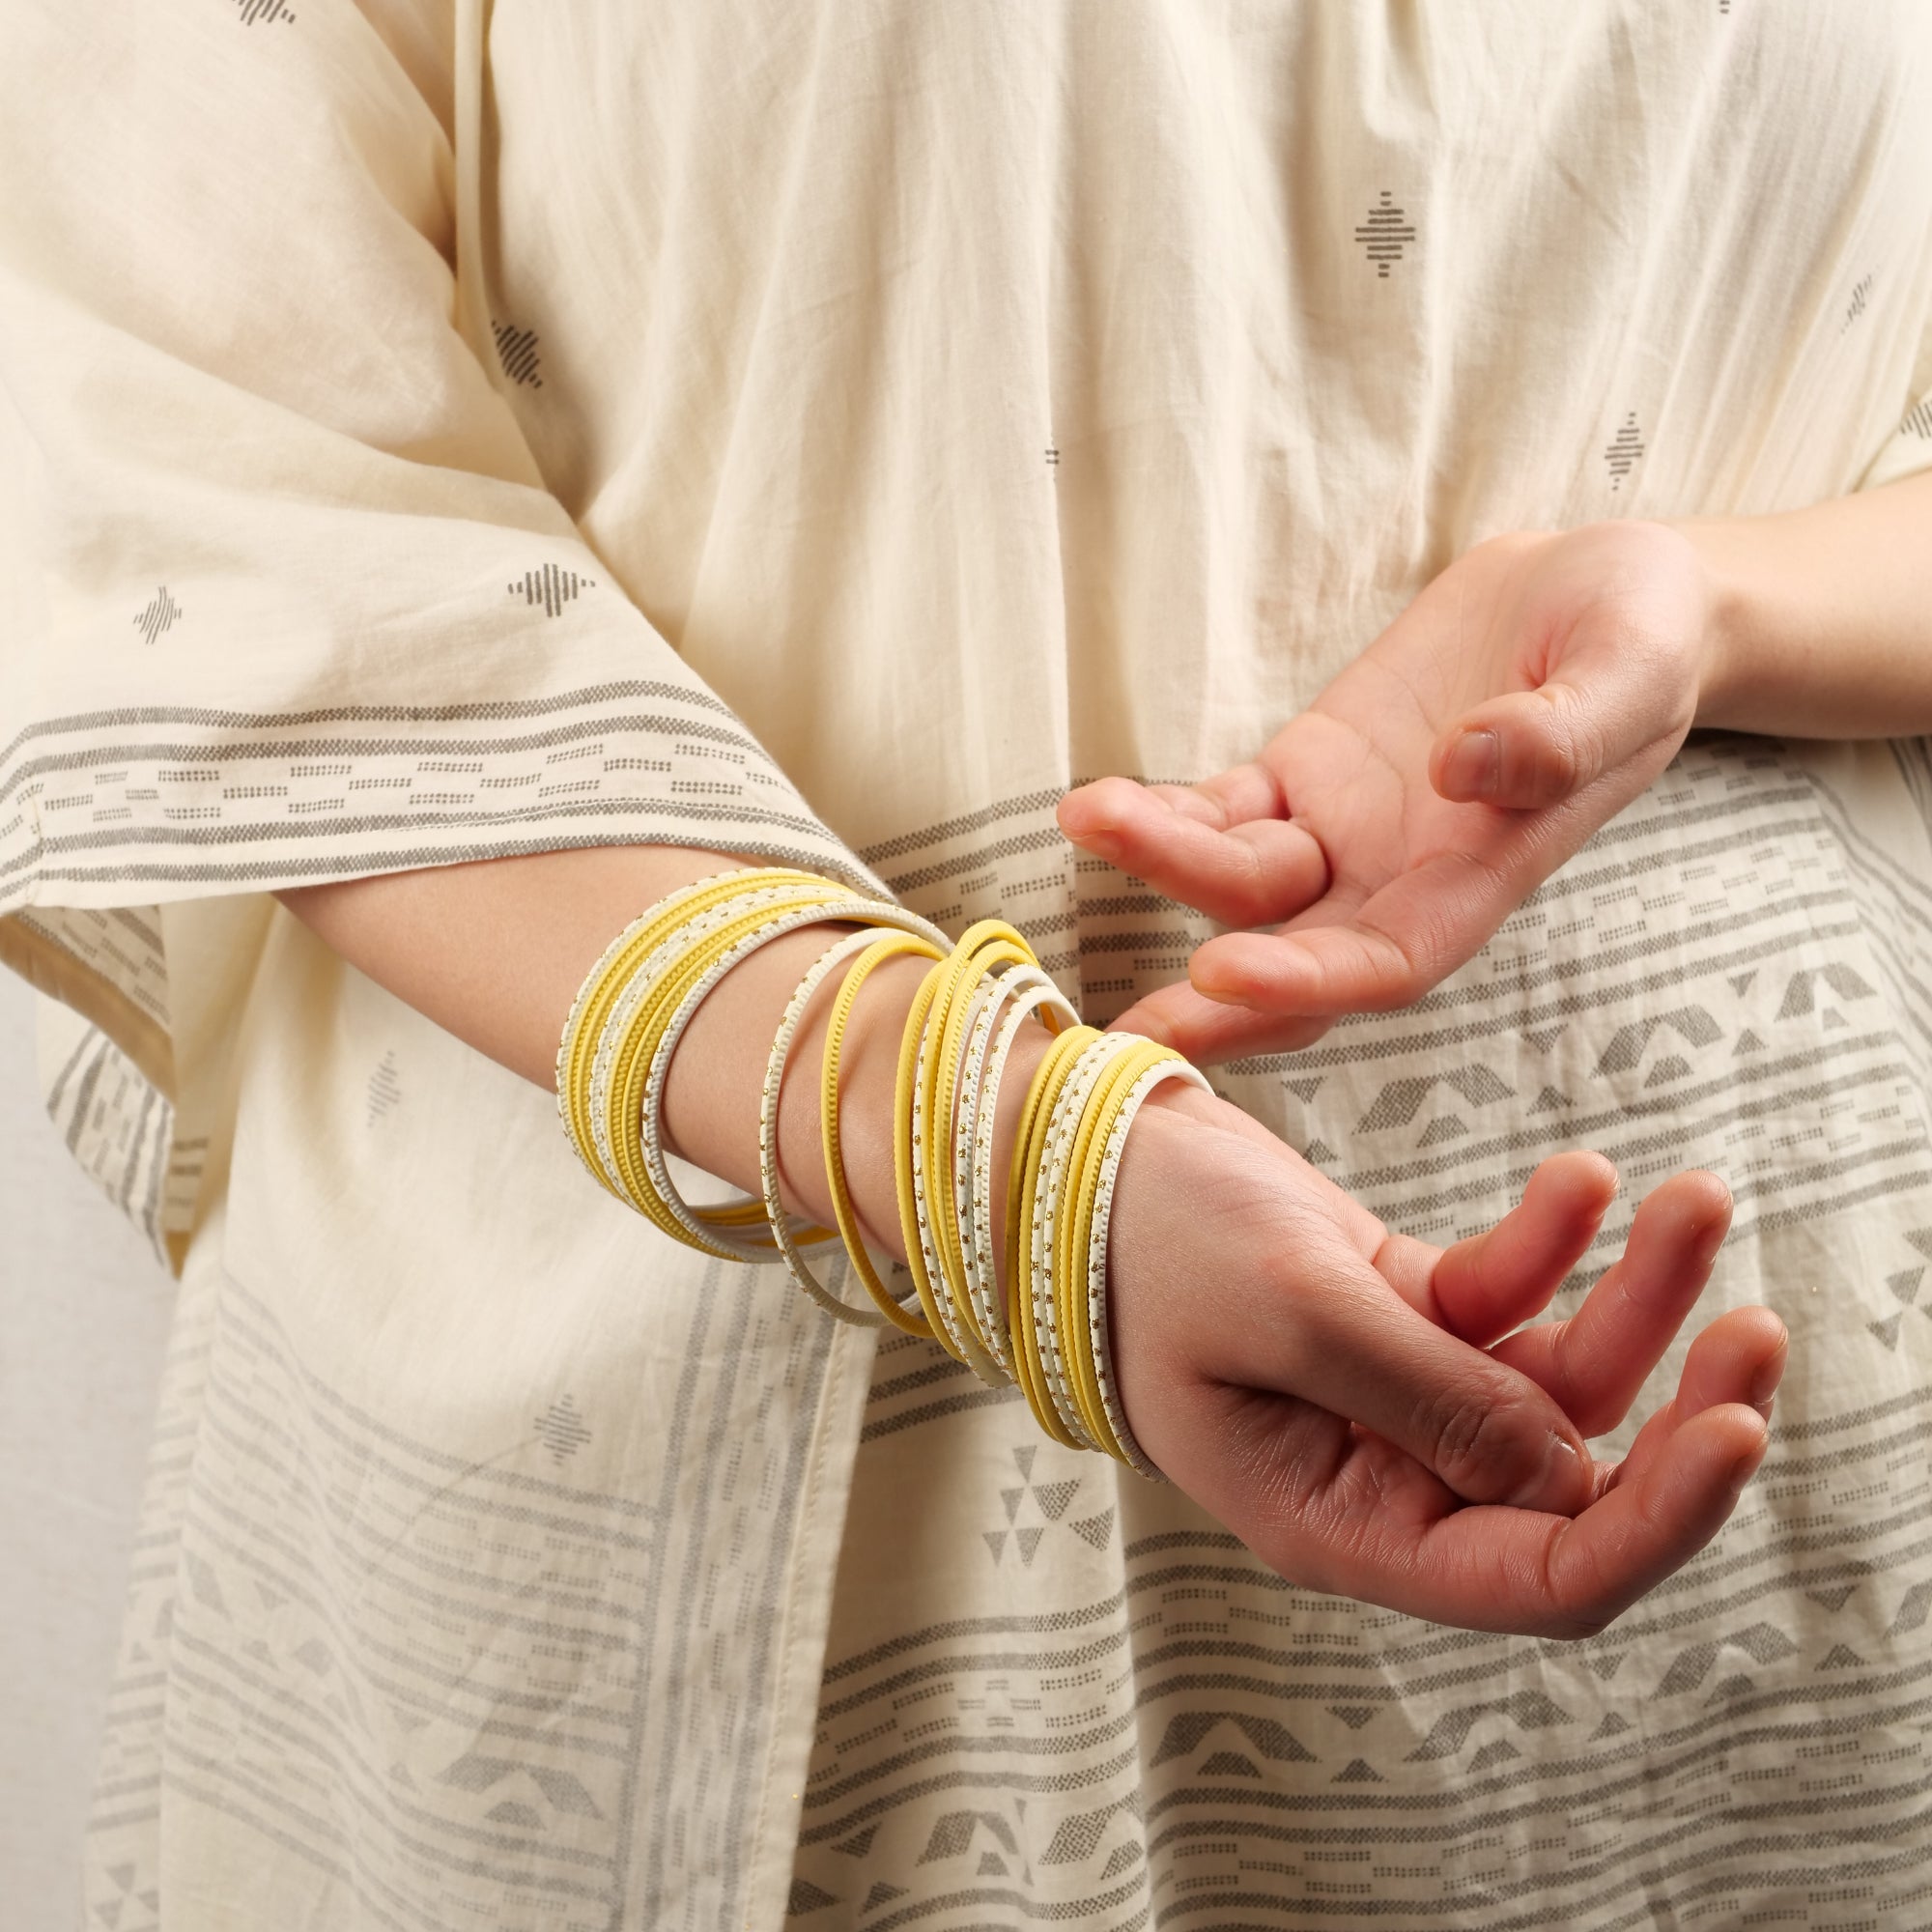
(830, 432)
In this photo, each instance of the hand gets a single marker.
(1531, 691)
(1326, 1389)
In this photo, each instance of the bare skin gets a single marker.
(1524, 699)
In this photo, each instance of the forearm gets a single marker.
(1821, 619)
(495, 953)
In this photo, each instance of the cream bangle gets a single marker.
(985, 947)
(1075, 1230)
(1027, 991)
(1024, 1201)
(986, 997)
(1099, 1340)
(952, 1331)
(834, 1304)
(673, 940)
(1061, 1127)
(895, 945)
(605, 982)
(871, 912)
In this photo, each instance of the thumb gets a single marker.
(1532, 747)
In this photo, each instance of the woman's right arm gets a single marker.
(1324, 1389)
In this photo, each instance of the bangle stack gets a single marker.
(1047, 1332)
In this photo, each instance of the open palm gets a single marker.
(1533, 690)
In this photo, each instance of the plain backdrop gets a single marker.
(84, 1312)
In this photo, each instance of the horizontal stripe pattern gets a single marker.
(1109, 1714)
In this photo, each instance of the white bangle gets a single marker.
(1063, 1126)
(1097, 1255)
(1029, 990)
(638, 986)
(871, 912)
(834, 1304)
(591, 1157)
(958, 1340)
(994, 989)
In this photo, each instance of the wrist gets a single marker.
(1723, 549)
(868, 1089)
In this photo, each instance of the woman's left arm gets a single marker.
(1821, 619)
(1529, 694)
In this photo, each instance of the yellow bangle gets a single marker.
(904, 1154)
(1046, 1328)
(605, 983)
(1074, 1232)
(632, 1063)
(983, 947)
(890, 947)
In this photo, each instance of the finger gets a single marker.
(1208, 1033)
(1483, 1286)
(1525, 750)
(1328, 1330)
(1594, 1364)
(1234, 797)
(1516, 1570)
(1415, 931)
(1184, 841)
(1348, 1513)
(1739, 1358)
(1610, 689)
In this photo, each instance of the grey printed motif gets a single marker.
(517, 351)
(1624, 451)
(561, 1429)
(1382, 234)
(1154, 1729)
(1861, 298)
(551, 587)
(384, 1088)
(1917, 421)
(255, 12)
(157, 617)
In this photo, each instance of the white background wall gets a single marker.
(83, 1320)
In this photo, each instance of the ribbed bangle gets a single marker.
(1116, 1080)
(835, 1305)
(1119, 1439)
(1016, 996)
(695, 984)
(606, 982)
(1024, 1311)
(1051, 1215)
(893, 945)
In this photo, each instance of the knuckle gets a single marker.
(1483, 1445)
(1558, 759)
(1583, 1599)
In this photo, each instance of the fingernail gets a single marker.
(1764, 1384)
(1557, 1484)
(1474, 766)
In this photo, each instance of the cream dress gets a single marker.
(830, 431)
